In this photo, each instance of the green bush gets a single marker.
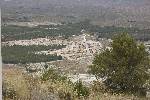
(81, 90)
(51, 74)
(124, 66)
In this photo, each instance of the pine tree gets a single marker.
(124, 67)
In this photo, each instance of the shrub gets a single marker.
(45, 66)
(81, 90)
(124, 66)
(98, 87)
(51, 74)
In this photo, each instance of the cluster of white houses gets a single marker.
(38, 41)
(79, 47)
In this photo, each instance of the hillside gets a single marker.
(75, 49)
(112, 12)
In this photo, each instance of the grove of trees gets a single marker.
(13, 32)
(26, 54)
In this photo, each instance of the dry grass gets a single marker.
(15, 80)
(107, 96)
(28, 88)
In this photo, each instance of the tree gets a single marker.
(124, 67)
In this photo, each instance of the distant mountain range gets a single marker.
(101, 12)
